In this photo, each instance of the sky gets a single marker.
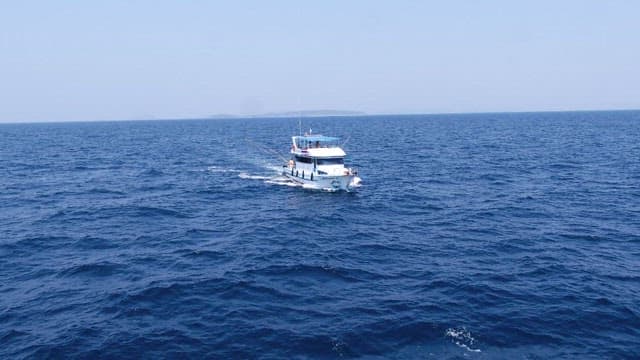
(70, 60)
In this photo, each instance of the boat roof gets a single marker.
(320, 138)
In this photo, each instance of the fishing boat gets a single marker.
(317, 162)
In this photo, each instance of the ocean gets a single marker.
(476, 236)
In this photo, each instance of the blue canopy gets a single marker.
(320, 138)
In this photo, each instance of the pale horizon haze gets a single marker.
(118, 60)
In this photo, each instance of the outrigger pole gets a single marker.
(267, 150)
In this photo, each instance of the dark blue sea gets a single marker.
(480, 236)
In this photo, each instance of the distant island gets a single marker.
(290, 114)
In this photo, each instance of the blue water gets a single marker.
(473, 236)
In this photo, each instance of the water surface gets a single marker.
(473, 236)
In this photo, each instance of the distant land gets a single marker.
(312, 113)
(306, 113)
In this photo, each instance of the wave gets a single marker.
(12, 334)
(221, 169)
(282, 181)
(105, 191)
(95, 243)
(37, 242)
(462, 338)
(244, 175)
(167, 296)
(144, 211)
(98, 269)
(202, 254)
(152, 173)
(316, 272)
(173, 239)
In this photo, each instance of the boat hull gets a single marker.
(327, 183)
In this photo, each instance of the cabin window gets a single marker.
(334, 161)
(303, 159)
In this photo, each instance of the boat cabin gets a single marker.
(318, 161)
(317, 154)
(314, 142)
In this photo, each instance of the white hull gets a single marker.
(317, 162)
(326, 183)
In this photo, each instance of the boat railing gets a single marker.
(316, 146)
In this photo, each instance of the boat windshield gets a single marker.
(316, 141)
(330, 161)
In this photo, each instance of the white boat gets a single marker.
(317, 162)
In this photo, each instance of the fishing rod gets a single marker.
(266, 150)
(348, 138)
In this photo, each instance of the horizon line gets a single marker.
(272, 116)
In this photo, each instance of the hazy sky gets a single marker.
(89, 60)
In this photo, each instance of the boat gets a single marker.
(317, 162)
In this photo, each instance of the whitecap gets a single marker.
(244, 175)
(221, 169)
(275, 168)
(282, 181)
(462, 338)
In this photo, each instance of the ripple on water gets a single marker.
(475, 236)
